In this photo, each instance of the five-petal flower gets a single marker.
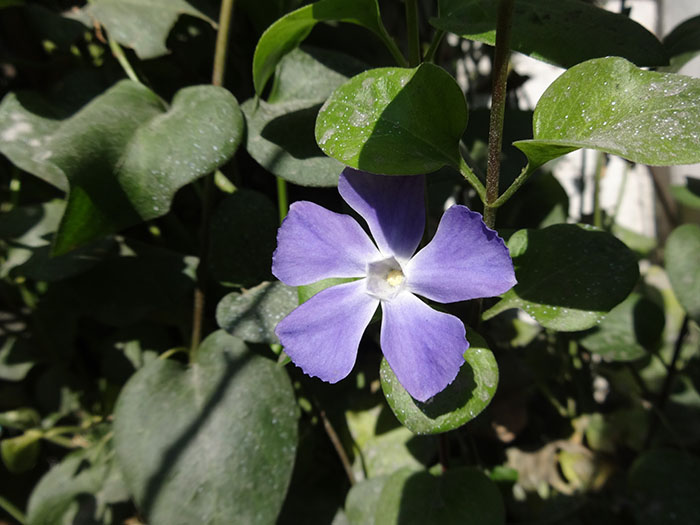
(424, 347)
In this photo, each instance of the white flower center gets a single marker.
(385, 279)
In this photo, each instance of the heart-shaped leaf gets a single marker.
(142, 25)
(628, 332)
(610, 105)
(254, 314)
(462, 495)
(219, 436)
(123, 155)
(682, 257)
(556, 31)
(460, 402)
(395, 121)
(290, 30)
(569, 276)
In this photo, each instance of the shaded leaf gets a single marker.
(682, 257)
(242, 236)
(142, 25)
(253, 315)
(569, 276)
(688, 194)
(290, 30)
(20, 453)
(231, 423)
(610, 105)
(17, 357)
(395, 121)
(683, 42)
(22, 418)
(362, 500)
(460, 402)
(462, 495)
(629, 330)
(556, 31)
(307, 291)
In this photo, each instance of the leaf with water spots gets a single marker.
(569, 276)
(395, 121)
(611, 105)
(556, 31)
(459, 403)
(124, 154)
(203, 443)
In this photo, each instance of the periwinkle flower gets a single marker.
(424, 347)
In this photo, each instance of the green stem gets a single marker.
(620, 194)
(472, 179)
(218, 73)
(597, 211)
(118, 53)
(521, 179)
(434, 45)
(385, 37)
(12, 511)
(282, 202)
(412, 32)
(498, 105)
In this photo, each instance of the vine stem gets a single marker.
(119, 54)
(412, 33)
(338, 446)
(434, 45)
(219, 70)
(498, 100)
(13, 511)
(282, 201)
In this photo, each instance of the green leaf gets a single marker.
(664, 486)
(22, 418)
(219, 435)
(688, 194)
(303, 81)
(461, 495)
(363, 497)
(628, 332)
(17, 357)
(81, 488)
(569, 276)
(395, 121)
(682, 257)
(29, 230)
(307, 291)
(610, 105)
(290, 30)
(683, 43)
(459, 403)
(556, 31)
(254, 314)
(242, 236)
(19, 454)
(122, 155)
(142, 25)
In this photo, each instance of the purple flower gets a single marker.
(424, 347)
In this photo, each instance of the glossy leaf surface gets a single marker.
(569, 276)
(231, 434)
(394, 121)
(610, 105)
(459, 403)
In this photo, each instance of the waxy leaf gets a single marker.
(682, 257)
(142, 25)
(253, 315)
(610, 105)
(219, 435)
(303, 81)
(460, 496)
(569, 276)
(460, 402)
(124, 155)
(395, 121)
(556, 31)
(290, 30)
(664, 486)
(631, 330)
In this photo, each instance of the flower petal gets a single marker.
(393, 207)
(465, 260)
(425, 348)
(314, 243)
(321, 336)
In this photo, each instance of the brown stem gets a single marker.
(338, 446)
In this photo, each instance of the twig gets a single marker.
(338, 446)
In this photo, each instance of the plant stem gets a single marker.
(338, 446)
(498, 104)
(515, 186)
(597, 211)
(434, 45)
(472, 179)
(392, 47)
(12, 511)
(118, 53)
(412, 33)
(282, 202)
(218, 73)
